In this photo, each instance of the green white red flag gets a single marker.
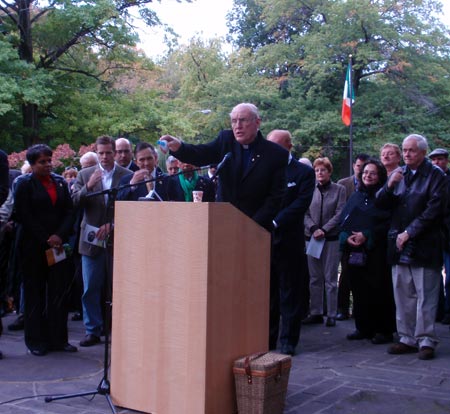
(348, 98)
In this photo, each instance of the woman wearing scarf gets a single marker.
(363, 240)
(181, 186)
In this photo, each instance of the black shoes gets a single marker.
(312, 319)
(356, 336)
(65, 348)
(77, 316)
(380, 339)
(90, 340)
(288, 350)
(38, 351)
(330, 322)
(17, 325)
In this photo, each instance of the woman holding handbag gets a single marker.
(363, 240)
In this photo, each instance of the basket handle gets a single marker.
(248, 370)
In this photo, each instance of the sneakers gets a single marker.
(401, 348)
(426, 352)
(312, 319)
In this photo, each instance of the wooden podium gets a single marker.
(190, 296)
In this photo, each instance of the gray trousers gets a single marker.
(416, 293)
(323, 272)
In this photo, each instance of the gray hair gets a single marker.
(89, 157)
(251, 107)
(421, 141)
(170, 159)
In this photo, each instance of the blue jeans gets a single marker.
(94, 275)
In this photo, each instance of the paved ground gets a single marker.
(330, 375)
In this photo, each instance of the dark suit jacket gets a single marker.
(133, 167)
(95, 212)
(300, 186)
(38, 217)
(140, 190)
(257, 191)
(175, 191)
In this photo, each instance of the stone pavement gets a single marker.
(329, 375)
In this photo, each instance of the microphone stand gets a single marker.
(148, 180)
(104, 387)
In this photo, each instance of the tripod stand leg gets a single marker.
(113, 409)
(102, 389)
(63, 397)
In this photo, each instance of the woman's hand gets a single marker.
(356, 239)
(319, 234)
(55, 242)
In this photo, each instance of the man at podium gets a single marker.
(251, 170)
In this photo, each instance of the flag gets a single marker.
(346, 103)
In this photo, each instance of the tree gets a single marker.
(400, 57)
(55, 37)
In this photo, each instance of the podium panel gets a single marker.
(190, 296)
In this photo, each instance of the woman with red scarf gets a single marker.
(44, 213)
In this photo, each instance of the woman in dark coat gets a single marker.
(45, 214)
(364, 236)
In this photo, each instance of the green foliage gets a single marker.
(400, 54)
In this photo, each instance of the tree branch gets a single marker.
(7, 10)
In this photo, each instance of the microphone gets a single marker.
(227, 156)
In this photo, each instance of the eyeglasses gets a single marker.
(370, 173)
(70, 168)
(244, 121)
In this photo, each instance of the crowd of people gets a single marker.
(370, 246)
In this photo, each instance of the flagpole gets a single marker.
(351, 114)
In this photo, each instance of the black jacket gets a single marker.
(258, 190)
(38, 217)
(418, 204)
(133, 193)
(300, 186)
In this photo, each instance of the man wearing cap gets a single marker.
(439, 157)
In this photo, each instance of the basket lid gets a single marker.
(264, 361)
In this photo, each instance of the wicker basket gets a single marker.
(261, 383)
